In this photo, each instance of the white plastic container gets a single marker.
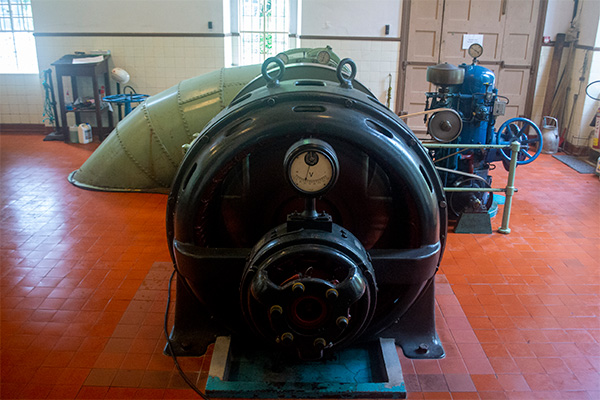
(84, 133)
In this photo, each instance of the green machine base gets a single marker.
(365, 371)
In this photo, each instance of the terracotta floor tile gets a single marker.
(529, 365)
(460, 383)
(484, 383)
(36, 391)
(64, 392)
(517, 313)
(92, 392)
(503, 365)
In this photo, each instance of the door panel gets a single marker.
(471, 17)
(512, 83)
(425, 25)
(521, 19)
(436, 29)
(427, 49)
(416, 86)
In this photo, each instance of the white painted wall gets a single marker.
(350, 17)
(588, 23)
(558, 17)
(164, 16)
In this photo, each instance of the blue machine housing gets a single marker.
(476, 100)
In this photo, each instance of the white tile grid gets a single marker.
(21, 99)
(578, 134)
(154, 63)
(541, 83)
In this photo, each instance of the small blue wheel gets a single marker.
(515, 129)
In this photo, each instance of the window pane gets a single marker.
(5, 24)
(264, 29)
(18, 53)
(25, 60)
(8, 58)
(26, 54)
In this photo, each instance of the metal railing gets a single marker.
(509, 189)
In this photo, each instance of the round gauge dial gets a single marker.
(475, 50)
(311, 166)
(323, 57)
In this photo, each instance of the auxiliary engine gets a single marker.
(472, 104)
(306, 216)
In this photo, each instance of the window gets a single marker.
(18, 55)
(264, 29)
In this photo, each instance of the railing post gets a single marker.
(515, 147)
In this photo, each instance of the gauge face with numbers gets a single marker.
(311, 166)
(475, 50)
(323, 57)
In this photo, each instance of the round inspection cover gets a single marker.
(445, 126)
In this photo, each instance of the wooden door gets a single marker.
(516, 67)
(423, 50)
(463, 17)
(508, 28)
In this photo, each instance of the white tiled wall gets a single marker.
(375, 60)
(582, 110)
(585, 108)
(541, 83)
(154, 64)
(21, 99)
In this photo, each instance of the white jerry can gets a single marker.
(85, 133)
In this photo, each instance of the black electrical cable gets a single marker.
(504, 97)
(170, 345)
(131, 89)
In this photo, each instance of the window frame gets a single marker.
(290, 15)
(16, 22)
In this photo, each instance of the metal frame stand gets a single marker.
(509, 189)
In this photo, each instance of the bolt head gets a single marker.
(320, 343)
(331, 294)
(342, 322)
(276, 311)
(287, 338)
(298, 288)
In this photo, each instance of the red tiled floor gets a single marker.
(82, 302)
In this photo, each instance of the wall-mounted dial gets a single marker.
(311, 166)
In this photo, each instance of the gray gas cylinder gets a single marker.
(550, 135)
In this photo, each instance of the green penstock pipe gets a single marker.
(144, 150)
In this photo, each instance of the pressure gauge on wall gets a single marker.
(311, 166)
(475, 50)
